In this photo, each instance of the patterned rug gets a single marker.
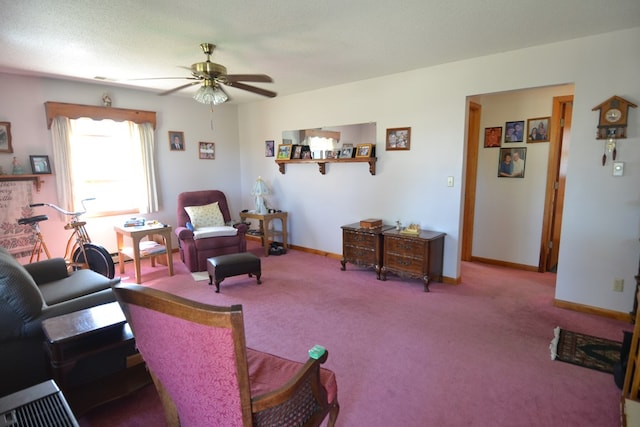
(585, 350)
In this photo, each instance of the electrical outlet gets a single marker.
(618, 285)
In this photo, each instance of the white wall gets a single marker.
(600, 230)
(601, 227)
(22, 103)
(509, 211)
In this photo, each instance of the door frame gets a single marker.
(471, 167)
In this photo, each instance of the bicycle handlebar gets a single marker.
(62, 211)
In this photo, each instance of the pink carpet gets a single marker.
(473, 354)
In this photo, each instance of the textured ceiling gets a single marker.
(304, 45)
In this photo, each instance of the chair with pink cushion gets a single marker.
(196, 249)
(206, 376)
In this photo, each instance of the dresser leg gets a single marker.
(425, 279)
(344, 264)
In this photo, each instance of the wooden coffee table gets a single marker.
(93, 356)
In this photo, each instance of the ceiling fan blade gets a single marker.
(253, 89)
(165, 78)
(179, 88)
(249, 78)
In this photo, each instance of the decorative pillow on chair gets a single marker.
(205, 215)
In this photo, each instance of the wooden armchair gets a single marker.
(205, 375)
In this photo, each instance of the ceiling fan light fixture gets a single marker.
(210, 93)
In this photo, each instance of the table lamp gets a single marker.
(259, 191)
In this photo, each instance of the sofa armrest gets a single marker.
(48, 270)
(184, 233)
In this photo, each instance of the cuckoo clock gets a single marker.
(612, 124)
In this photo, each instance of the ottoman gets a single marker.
(224, 266)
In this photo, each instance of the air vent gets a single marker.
(42, 405)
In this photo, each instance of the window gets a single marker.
(110, 160)
(106, 164)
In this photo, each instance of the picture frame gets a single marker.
(346, 152)
(296, 152)
(364, 150)
(398, 139)
(40, 165)
(269, 148)
(207, 150)
(538, 130)
(176, 141)
(492, 137)
(306, 152)
(514, 131)
(284, 151)
(5, 138)
(332, 154)
(512, 162)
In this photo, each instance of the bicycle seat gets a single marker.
(33, 219)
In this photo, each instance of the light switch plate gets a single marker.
(618, 168)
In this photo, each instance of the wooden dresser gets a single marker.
(417, 256)
(363, 246)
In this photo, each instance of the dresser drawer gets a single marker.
(404, 246)
(359, 255)
(407, 264)
(359, 239)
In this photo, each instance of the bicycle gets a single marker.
(80, 252)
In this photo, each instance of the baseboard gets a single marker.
(505, 264)
(582, 308)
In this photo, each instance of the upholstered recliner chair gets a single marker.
(206, 376)
(30, 294)
(204, 228)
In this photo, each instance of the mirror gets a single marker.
(331, 138)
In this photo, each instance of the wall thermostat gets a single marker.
(618, 168)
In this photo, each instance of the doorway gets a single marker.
(558, 151)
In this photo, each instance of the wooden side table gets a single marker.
(363, 246)
(93, 356)
(418, 256)
(136, 234)
(266, 234)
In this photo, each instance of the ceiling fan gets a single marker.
(212, 76)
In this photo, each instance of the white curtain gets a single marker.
(145, 137)
(142, 135)
(60, 132)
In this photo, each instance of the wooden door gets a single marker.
(556, 177)
(471, 169)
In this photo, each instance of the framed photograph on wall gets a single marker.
(538, 129)
(5, 138)
(514, 131)
(511, 162)
(40, 165)
(398, 139)
(284, 152)
(269, 147)
(364, 150)
(176, 140)
(207, 150)
(492, 137)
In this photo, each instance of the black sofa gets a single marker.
(30, 294)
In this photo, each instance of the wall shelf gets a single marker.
(323, 162)
(35, 178)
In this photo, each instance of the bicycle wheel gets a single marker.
(98, 259)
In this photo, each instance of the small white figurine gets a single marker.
(17, 167)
